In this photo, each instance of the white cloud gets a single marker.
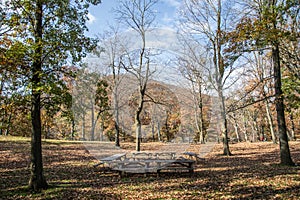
(167, 18)
(174, 3)
(164, 38)
(92, 18)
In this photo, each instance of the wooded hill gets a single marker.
(169, 114)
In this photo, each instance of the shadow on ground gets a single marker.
(252, 173)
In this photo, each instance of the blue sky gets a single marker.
(163, 37)
(102, 15)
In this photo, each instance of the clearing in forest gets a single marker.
(252, 173)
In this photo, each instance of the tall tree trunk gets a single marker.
(203, 129)
(73, 130)
(224, 129)
(201, 137)
(158, 131)
(83, 126)
(197, 96)
(142, 90)
(138, 125)
(254, 133)
(99, 115)
(3, 75)
(236, 127)
(270, 122)
(37, 180)
(3, 122)
(293, 137)
(245, 126)
(101, 129)
(47, 135)
(138, 134)
(8, 124)
(93, 129)
(220, 74)
(263, 133)
(167, 126)
(198, 126)
(153, 130)
(255, 128)
(93, 121)
(236, 132)
(285, 156)
(116, 113)
(117, 133)
(201, 120)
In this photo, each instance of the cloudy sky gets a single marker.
(102, 15)
(163, 37)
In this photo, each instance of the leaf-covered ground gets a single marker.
(252, 173)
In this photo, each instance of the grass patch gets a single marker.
(14, 139)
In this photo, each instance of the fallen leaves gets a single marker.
(252, 173)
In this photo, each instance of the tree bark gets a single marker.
(138, 124)
(101, 130)
(83, 126)
(99, 115)
(153, 130)
(245, 127)
(285, 156)
(293, 137)
(270, 121)
(224, 129)
(37, 180)
(220, 74)
(73, 129)
(8, 124)
(158, 131)
(116, 112)
(255, 130)
(3, 76)
(93, 121)
(236, 127)
(200, 125)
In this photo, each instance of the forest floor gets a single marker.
(252, 172)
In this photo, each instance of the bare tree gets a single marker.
(192, 64)
(262, 70)
(111, 48)
(84, 106)
(233, 118)
(208, 20)
(139, 16)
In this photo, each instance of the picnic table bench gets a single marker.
(153, 166)
(153, 155)
(115, 157)
(147, 162)
(192, 155)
